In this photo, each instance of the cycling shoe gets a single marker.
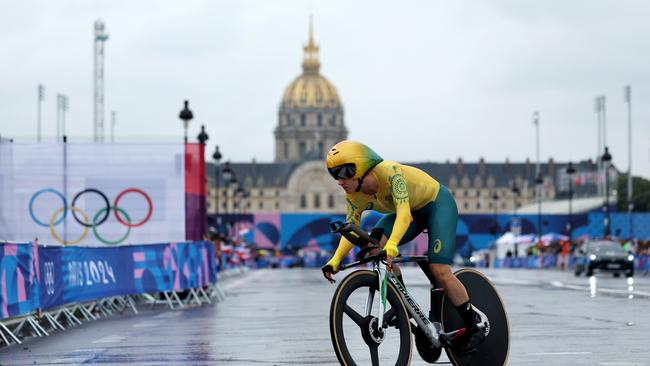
(469, 341)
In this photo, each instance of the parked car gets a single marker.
(603, 256)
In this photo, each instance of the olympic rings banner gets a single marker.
(46, 276)
(92, 194)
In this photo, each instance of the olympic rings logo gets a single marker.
(100, 217)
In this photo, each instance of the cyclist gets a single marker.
(413, 201)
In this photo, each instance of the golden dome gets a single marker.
(311, 89)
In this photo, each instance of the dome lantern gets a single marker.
(310, 89)
(310, 64)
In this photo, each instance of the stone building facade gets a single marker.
(477, 187)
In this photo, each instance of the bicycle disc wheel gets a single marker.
(482, 294)
(355, 336)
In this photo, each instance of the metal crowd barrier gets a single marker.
(41, 295)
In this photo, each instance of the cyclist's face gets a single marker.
(348, 185)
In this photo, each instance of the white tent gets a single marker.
(508, 241)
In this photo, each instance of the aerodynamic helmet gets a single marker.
(351, 160)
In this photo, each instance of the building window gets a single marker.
(260, 205)
(503, 205)
(330, 201)
(319, 119)
(490, 205)
(286, 150)
(317, 200)
(303, 120)
(277, 205)
(333, 121)
(261, 193)
(453, 193)
(478, 193)
(465, 205)
(302, 148)
(321, 149)
(303, 201)
(465, 193)
(277, 193)
(289, 120)
(478, 205)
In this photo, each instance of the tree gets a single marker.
(640, 194)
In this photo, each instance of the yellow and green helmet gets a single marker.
(351, 160)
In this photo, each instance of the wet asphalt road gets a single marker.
(280, 317)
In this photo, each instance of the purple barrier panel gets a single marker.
(193, 263)
(174, 266)
(20, 279)
(153, 268)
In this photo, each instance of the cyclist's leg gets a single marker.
(386, 224)
(443, 219)
(441, 224)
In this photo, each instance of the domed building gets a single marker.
(310, 117)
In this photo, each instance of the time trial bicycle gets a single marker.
(366, 331)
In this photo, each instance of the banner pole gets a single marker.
(65, 187)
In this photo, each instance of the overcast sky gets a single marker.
(419, 80)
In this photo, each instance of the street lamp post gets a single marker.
(536, 123)
(241, 195)
(570, 171)
(41, 97)
(630, 204)
(61, 108)
(515, 195)
(227, 176)
(203, 136)
(495, 199)
(538, 190)
(607, 158)
(217, 157)
(186, 116)
(64, 109)
(233, 183)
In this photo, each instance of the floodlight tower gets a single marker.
(98, 79)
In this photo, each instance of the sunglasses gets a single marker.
(344, 171)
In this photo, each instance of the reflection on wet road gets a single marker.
(280, 317)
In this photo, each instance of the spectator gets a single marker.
(563, 259)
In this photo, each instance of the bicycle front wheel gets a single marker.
(353, 323)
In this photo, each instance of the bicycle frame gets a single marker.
(431, 326)
(431, 329)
